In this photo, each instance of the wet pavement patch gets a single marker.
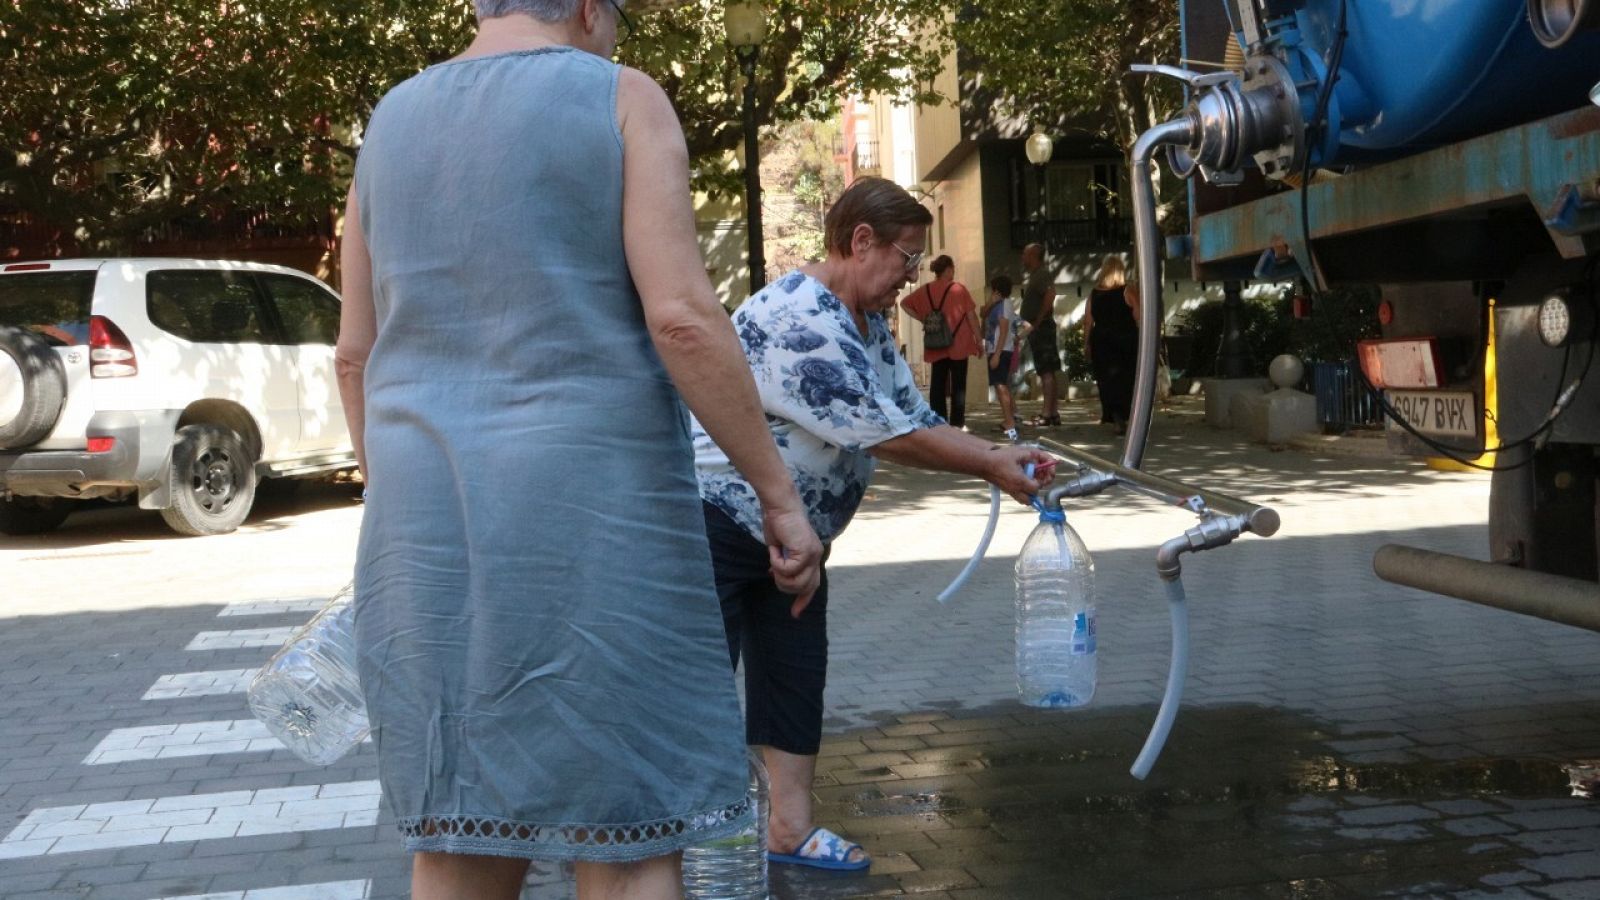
(1246, 801)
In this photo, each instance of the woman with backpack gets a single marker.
(950, 335)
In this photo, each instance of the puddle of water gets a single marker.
(1246, 801)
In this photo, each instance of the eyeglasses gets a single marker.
(624, 24)
(913, 260)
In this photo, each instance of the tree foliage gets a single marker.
(1064, 63)
(120, 115)
(815, 53)
(800, 180)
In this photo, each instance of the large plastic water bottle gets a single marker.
(309, 694)
(1056, 665)
(733, 868)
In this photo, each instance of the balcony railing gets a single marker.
(1063, 234)
(865, 160)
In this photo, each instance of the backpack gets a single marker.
(936, 331)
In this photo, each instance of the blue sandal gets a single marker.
(822, 849)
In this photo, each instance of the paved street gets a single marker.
(1340, 737)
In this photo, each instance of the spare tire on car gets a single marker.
(33, 387)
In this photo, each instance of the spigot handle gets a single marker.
(1193, 79)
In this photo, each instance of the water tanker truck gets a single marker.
(1449, 152)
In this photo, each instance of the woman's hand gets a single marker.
(1008, 471)
(795, 554)
(994, 360)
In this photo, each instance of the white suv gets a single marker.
(179, 382)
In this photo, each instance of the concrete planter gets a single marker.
(1220, 393)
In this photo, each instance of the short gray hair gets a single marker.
(543, 10)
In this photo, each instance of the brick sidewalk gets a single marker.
(1339, 736)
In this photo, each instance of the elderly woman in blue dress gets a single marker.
(539, 643)
(838, 397)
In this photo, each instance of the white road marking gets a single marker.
(196, 817)
(328, 890)
(200, 684)
(273, 606)
(240, 638)
(189, 739)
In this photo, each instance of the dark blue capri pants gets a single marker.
(785, 659)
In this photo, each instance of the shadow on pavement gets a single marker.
(99, 523)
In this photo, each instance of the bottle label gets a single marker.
(1083, 633)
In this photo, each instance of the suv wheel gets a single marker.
(213, 481)
(32, 515)
(33, 385)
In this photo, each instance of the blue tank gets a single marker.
(1420, 73)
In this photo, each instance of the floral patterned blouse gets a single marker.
(829, 398)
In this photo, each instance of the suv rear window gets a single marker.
(206, 307)
(54, 305)
(310, 315)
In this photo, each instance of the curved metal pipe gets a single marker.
(1147, 244)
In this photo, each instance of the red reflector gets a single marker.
(27, 267)
(1401, 362)
(101, 444)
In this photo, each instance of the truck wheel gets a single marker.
(33, 386)
(213, 481)
(32, 515)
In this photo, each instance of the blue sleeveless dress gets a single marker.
(540, 642)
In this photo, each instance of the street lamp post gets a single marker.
(746, 25)
(1039, 148)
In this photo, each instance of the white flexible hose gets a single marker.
(1175, 676)
(983, 547)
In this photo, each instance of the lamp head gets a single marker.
(745, 23)
(1039, 148)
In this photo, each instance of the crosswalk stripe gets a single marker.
(273, 606)
(200, 684)
(189, 739)
(194, 817)
(328, 890)
(240, 638)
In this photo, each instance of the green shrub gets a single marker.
(1339, 318)
(1074, 358)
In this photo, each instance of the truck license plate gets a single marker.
(1437, 413)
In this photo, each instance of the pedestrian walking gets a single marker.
(838, 397)
(538, 645)
(1039, 311)
(1111, 341)
(950, 337)
(1001, 338)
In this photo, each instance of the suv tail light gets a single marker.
(110, 351)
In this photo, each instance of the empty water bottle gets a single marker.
(309, 694)
(1055, 616)
(733, 868)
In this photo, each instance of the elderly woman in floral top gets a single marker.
(838, 397)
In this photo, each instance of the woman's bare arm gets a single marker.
(358, 328)
(690, 328)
